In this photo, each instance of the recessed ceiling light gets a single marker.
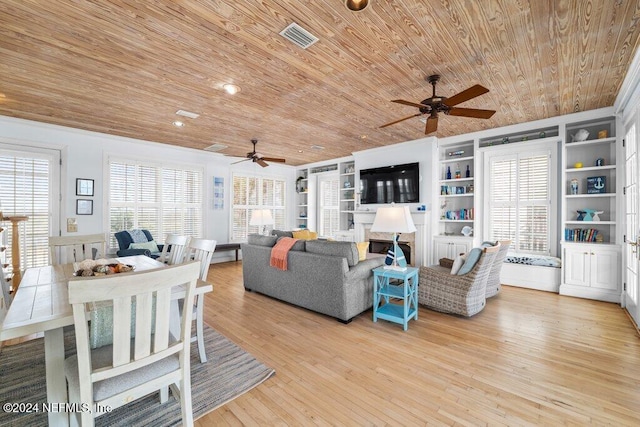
(300, 151)
(231, 89)
(356, 5)
(178, 123)
(363, 136)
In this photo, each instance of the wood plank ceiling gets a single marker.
(126, 67)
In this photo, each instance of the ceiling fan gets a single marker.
(441, 104)
(258, 158)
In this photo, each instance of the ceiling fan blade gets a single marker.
(432, 125)
(262, 163)
(402, 119)
(409, 103)
(465, 95)
(273, 159)
(240, 161)
(471, 112)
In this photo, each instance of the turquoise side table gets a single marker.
(405, 290)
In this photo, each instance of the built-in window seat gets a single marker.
(531, 271)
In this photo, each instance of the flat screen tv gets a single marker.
(398, 183)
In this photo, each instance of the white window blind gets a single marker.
(26, 190)
(162, 199)
(520, 199)
(255, 192)
(329, 205)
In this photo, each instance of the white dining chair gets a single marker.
(144, 356)
(66, 249)
(174, 249)
(200, 250)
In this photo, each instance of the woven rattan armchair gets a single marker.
(493, 282)
(440, 290)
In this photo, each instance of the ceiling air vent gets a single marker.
(298, 35)
(187, 114)
(216, 147)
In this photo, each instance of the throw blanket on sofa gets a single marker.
(280, 251)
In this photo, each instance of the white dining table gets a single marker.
(41, 304)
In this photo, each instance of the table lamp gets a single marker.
(393, 219)
(261, 218)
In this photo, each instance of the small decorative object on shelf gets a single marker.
(577, 165)
(448, 176)
(580, 215)
(299, 188)
(599, 161)
(588, 214)
(347, 184)
(603, 134)
(467, 231)
(456, 153)
(596, 215)
(505, 140)
(468, 172)
(542, 134)
(581, 135)
(574, 186)
(469, 188)
(458, 174)
(599, 238)
(596, 184)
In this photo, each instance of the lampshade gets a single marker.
(393, 219)
(261, 217)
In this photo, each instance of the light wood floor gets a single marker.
(530, 358)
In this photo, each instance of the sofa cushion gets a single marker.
(299, 245)
(281, 233)
(363, 249)
(152, 246)
(458, 263)
(260, 240)
(305, 234)
(347, 250)
(472, 258)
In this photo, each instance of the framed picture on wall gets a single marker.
(84, 207)
(84, 187)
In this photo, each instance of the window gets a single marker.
(28, 181)
(162, 199)
(328, 204)
(254, 192)
(520, 198)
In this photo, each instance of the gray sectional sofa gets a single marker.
(322, 276)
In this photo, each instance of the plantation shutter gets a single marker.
(329, 205)
(520, 200)
(25, 190)
(161, 199)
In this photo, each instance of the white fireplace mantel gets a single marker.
(364, 219)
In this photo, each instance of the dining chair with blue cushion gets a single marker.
(137, 242)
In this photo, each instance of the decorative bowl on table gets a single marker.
(89, 268)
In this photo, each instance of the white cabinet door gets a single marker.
(441, 250)
(604, 269)
(576, 266)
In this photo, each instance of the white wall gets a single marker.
(84, 155)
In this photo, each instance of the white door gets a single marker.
(632, 238)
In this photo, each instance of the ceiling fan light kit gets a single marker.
(356, 5)
(447, 105)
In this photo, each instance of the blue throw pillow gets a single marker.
(472, 258)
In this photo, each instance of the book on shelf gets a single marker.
(580, 234)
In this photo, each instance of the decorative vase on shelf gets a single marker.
(574, 186)
(581, 135)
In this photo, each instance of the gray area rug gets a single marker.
(229, 372)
